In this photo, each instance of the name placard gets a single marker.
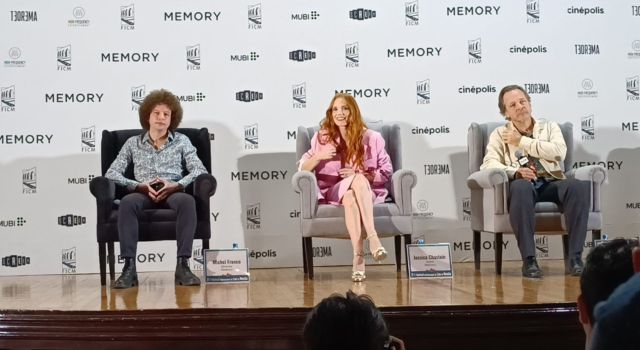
(226, 265)
(429, 261)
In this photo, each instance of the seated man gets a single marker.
(608, 266)
(160, 156)
(530, 151)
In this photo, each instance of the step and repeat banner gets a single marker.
(253, 71)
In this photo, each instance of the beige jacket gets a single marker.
(546, 144)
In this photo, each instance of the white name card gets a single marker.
(429, 261)
(226, 265)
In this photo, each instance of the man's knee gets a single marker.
(131, 201)
(521, 189)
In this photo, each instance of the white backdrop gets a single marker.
(72, 69)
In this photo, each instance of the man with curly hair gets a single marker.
(160, 156)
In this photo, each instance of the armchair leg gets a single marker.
(407, 241)
(397, 240)
(498, 250)
(102, 260)
(304, 257)
(205, 244)
(476, 249)
(308, 254)
(565, 250)
(112, 261)
(596, 234)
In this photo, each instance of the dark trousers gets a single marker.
(572, 195)
(132, 206)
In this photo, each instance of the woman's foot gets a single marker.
(358, 276)
(378, 253)
(358, 267)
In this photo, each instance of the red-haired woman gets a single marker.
(352, 168)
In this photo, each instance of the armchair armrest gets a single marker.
(105, 192)
(596, 175)
(489, 193)
(304, 182)
(402, 182)
(486, 179)
(203, 187)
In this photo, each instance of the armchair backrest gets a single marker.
(112, 142)
(478, 138)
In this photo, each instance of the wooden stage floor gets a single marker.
(471, 309)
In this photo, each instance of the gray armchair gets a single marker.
(490, 190)
(392, 218)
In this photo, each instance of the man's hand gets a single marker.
(145, 188)
(511, 136)
(168, 189)
(528, 173)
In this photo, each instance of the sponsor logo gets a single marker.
(291, 134)
(352, 55)
(294, 214)
(270, 253)
(632, 205)
(193, 57)
(15, 261)
(212, 136)
(78, 18)
(302, 55)
(528, 50)
(251, 56)
(587, 126)
(423, 92)
(259, 175)
(255, 16)
(145, 258)
(366, 93)
(587, 89)
(475, 51)
(129, 57)
(633, 88)
(29, 180)
(197, 259)
(69, 263)
(585, 10)
(537, 88)
(299, 94)
(15, 139)
(250, 137)
(13, 62)
(418, 130)
(305, 16)
(466, 209)
(630, 126)
(635, 10)
(127, 17)
(485, 245)
(423, 209)
(542, 247)
(411, 13)
(80, 180)
(197, 97)
(197, 16)
(80, 97)
(473, 11)
(8, 99)
(24, 16)
(635, 47)
(414, 52)
(609, 164)
(248, 96)
(64, 58)
(476, 89)
(436, 169)
(215, 215)
(17, 222)
(88, 139)
(533, 11)
(587, 49)
(71, 220)
(253, 216)
(137, 96)
(362, 14)
(321, 252)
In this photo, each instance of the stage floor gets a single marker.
(288, 288)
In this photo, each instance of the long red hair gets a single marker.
(351, 150)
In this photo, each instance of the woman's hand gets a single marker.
(327, 153)
(346, 172)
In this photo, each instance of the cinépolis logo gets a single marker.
(8, 99)
(255, 16)
(411, 13)
(475, 51)
(127, 17)
(423, 92)
(352, 55)
(427, 130)
(253, 216)
(69, 263)
(476, 90)
(633, 88)
(250, 137)
(88, 139)
(587, 126)
(29, 180)
(137, 96)
(585, 10)
(362, 14)
(299, 94)
(64, 58)
(533, 11)
(193, 57)
(528, 50)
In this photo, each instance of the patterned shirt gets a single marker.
(150, 163)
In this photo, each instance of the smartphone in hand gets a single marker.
(157, 186)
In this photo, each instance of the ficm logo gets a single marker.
(362, 14)
(15, 261)
(251, 136)
(352, 55)
(127, 17)
(29, 180)
(255, 16)
(8, 99)
(475, 51)
(193, 57)
(299, 93)
(466, 209)
(533, 11)
(253, 216)
(64, 58)
(587, 125)
(69, 260)
(411, 13)
(633, 85)
(423, 92)
(71, 220)
(88, 139)
(137, 96)
(197, 261)
(542, 247)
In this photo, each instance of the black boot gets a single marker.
(530, 268)
(184, 276)
(129, 277)
(575, 266)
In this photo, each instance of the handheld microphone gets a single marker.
(522, 159)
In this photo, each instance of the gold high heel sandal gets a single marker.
(357, 275)
(380, 254)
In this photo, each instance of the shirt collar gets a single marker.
(147, 139)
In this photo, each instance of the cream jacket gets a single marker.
(546, 143)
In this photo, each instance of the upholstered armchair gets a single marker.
(159, 224)
(490, 191)
(392, 218)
